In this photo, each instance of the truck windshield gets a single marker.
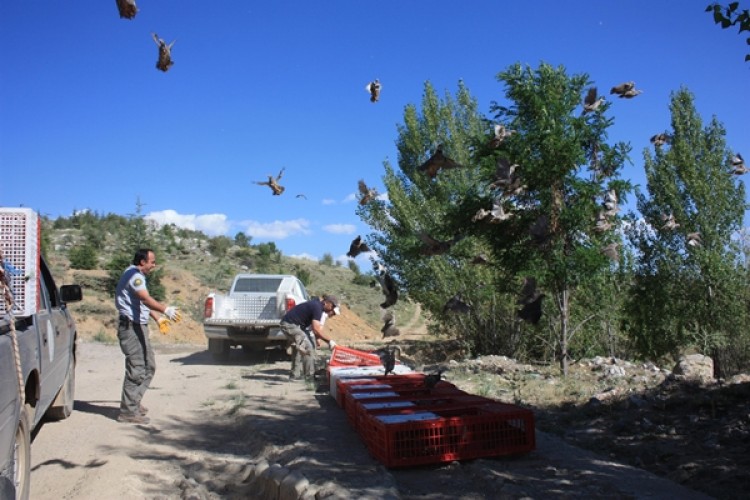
(266, 285)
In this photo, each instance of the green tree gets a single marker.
(730, 15)
(219, 245)
(83, 257)
(327, 260)
(689, 294)
(242, 240)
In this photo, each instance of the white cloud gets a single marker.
(328, 201)
(340, 228)
(305, 256)
(350, 198)
(210, 224)
(277, 229)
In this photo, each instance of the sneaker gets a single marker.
(133, 419)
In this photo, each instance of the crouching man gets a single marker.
(309, 315)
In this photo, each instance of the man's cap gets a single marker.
(332, 299)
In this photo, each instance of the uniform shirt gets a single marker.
(304, 313)
(126, 299)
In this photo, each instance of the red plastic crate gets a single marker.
(485, 430)
(396, 381)
(344, 356)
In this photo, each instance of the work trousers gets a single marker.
(303, 350)
(140, 364)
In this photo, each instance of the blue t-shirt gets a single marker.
(304, 313)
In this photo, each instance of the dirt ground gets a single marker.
(241, 429)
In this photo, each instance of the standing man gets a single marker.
(135, 305)
(304, 316)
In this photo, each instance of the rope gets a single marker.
(8, 299)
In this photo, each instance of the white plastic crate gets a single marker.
(20, 232)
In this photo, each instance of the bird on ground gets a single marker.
(610, 251)
(273, 183)
(622, 88)
(501, 133)
(738, 165)
(668, 222)
(431, 246)
(432, 379)
(590, 102)
(357, 247)
(661, 139)
(532, 312)
(127, 9)
(694, 239)
(504, 173)
(165, 53)
(389, 324)
(366, 194)
(438, 161)
(457, 305)
(374, 89)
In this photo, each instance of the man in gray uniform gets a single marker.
(134, 306)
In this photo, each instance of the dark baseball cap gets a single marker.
(332, 299)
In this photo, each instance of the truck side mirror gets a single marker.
(71, 293)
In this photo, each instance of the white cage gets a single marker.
(20, 233)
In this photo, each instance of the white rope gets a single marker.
(8, 299)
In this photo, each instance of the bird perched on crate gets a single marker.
(366, 194)
(590, 102)
(357, 247)
(127, 9)
(165, 53)
(432, 379)
(438, 161)
(273, 183)
(374, 89)
(622, 88)
(388, 357)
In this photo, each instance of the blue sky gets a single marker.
(88, 122)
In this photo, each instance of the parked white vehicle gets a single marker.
(250, 314)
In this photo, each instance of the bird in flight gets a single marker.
(610, 251)
(738, 165)
(374, 89)
(694, 239)
(273, 183)
(668, 222)
(501, 133)
(437, 162)
(127, 9)
(165, 53)
(357, 247)
(366, 194)
(622, 88)
(456, 304)
(590, 102)
(659, 140)
(389, 325)
(431, 246)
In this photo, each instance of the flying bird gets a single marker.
(374, 89)
(431, 246)
(668, 222)
(456, 305)
(301, 196)
(389, 325)
(694, 239)
(496, 215)
(532, 311)
(610, 203)
(501, 133)
(165, 53)
(366, 194)
(529, 292)
(480, 259)
(127, 9)
(738, 165)
(539, 230)
(610, 251)
(659, 140)
(273, 183)
(622, 88)
(504, 173)
(388, 357)
(437, 162)
(387, 285)
(629, 94)
(602, 224)
(357, 247)
(590, 102)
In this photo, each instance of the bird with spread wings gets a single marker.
(273, 183)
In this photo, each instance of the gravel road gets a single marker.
(243, 430)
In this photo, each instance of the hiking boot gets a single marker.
(133, 418)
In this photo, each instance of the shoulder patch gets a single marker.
(137, 282)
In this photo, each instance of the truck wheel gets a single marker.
(219, 349)
(22, 456)
(62, 407)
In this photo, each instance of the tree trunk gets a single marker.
(564, 317)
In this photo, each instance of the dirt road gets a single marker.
(243, 430)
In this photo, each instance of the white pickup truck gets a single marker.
(250, 314)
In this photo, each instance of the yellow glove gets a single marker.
(163, 326)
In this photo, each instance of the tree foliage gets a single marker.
(731, 15)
